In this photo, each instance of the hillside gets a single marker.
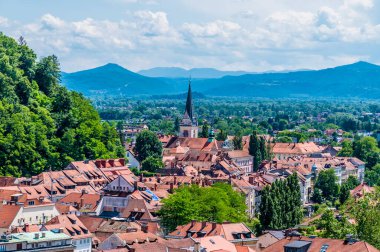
(114, 79)
(43, 125)
(361, 80)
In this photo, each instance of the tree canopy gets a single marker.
(281, 205)
(327, 183)
(147, 145)
(43, 125)
(217, 203)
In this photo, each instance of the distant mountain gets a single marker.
(114, 79)
(361, 80)
(195, 73)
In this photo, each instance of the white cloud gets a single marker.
(250, 39)
(152, 23)
(49, 21)
(4, 21)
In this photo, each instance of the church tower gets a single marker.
(189, 124)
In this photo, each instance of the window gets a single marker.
(30, 203)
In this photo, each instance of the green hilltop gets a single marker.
(42, 124)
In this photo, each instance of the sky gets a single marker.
(250, 35)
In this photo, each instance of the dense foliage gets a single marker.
(327, 183)
(281, 205)
(366, 212)
(332, 227)
(42, 124)
(259, 149)
(152, 164)
(147, 145)
(217, 203)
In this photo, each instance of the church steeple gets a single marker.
(189, 125)
(189, 103)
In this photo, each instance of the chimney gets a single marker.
(141, 177)
(36, 236)
(158, 178)
(213, 225)
(43, 234)
(104, 163)
(197, 246)
(112, 162)
(192, 223)
(81, 204)
(98, 163)
(175, 180)
(204, 223)
(155, 186)
(171, 188)
(122, 161)
(144, 227)
(135, 185)
(251, 180)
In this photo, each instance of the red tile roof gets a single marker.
(8, 214)
(334, 245)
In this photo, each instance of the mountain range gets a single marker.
(358, 80)
(196, 73)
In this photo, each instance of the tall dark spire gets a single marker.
(189, 103)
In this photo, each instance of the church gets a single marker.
(189, 124)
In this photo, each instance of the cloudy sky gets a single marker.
(252, 35)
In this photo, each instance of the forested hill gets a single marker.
(42, 124)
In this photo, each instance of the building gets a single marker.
(74, 228)
(189, 125)
(236, 233)
(12, 216)
(37, 241)
(314, 244)
(286, 150)
(242, 159)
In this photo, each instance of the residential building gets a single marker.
(37, 241)
(315, 244)
(236, 233)
(73, 227)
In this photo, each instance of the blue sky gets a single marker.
(251, 35)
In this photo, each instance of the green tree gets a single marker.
(367, 215)
(217, 203)
(48, 74)
(344, 193)
(366, 149)
(221, 136)
(281, 205)
(327, 183)
(254, 150)
(372, 177)
(352, 182)
(147, 144)
(152, 164)
(43, 124)
(238, 142)
(205, 130)
(333, 228)
(176, 124)
(317, 196)
(346, 150)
